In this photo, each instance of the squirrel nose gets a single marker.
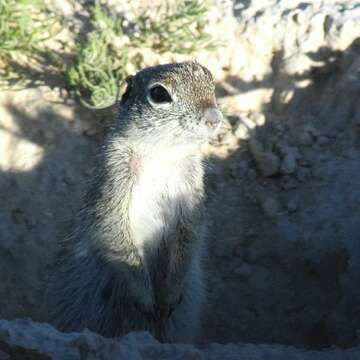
(212, 117)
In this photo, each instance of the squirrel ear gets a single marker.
(125, 88)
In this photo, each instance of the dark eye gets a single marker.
(159, 95)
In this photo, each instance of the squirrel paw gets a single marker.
(164, 310)
(160, 311)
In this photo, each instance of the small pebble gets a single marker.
(323, 140)
(292, 206)
(289, 184)
(271, 207)
(311, 129)
(251, 174)
(332, 134)
(288, 165)
(266, 161)
(242, 132)
(305, 139)
(244, 128)
(259, 118)
(323, 158)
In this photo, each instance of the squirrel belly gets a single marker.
(164, 185)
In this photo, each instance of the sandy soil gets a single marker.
(284, 199)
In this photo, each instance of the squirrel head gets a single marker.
(172, 103)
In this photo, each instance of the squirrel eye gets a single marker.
(159, 95)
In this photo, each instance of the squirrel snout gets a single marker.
(212, 118)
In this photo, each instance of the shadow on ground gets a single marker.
(285, 272)
(284, 251)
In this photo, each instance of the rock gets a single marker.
(332, 133)
(309, 128)
(292, 206)
(24, 339)
(323, 140)
(251, 174)
(241, 131)
(258, 118)
(305, 139)
(298, 30)
(267, 162)
(284, 149)
(288, 165)
(271, 207)
(244, 128)
(323, 158)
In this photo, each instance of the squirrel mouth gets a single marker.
(211, 124)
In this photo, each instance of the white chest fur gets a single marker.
(162, 181)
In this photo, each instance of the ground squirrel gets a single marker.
(134, 259)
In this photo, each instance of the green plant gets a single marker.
(25, 25)
(180, 31)
(98, 66)
(101, 62)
